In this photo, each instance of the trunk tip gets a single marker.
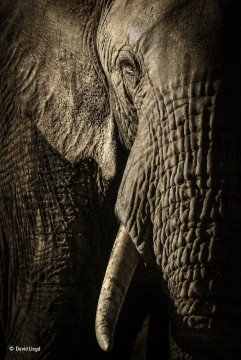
(105, 342)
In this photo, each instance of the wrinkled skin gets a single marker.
(175, 75)
(152, 88)
(61, 166)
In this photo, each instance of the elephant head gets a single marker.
(61, 161)
(173, 73)
(152, 87)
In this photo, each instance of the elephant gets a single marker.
(120, 114)
(61, 167)
(174, 72)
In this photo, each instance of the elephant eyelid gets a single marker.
(127, 67)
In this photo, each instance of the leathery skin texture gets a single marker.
(59, 177)
(194, 213)
(130, 97)
(179, 198)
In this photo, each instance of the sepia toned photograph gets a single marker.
(120, 180)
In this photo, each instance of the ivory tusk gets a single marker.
(120, 270)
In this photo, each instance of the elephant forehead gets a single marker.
(133, 19)
(129, 20)
(173, 36)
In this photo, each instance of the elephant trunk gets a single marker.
(122, 264)
(181, 182)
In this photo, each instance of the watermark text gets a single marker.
(25, 348)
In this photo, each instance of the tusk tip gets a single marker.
(105, 342)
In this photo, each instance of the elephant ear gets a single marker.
(51, 66)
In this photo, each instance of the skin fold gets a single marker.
(120, 114)
(174, 68)
(59, 181)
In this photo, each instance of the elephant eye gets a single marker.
(127, 67)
